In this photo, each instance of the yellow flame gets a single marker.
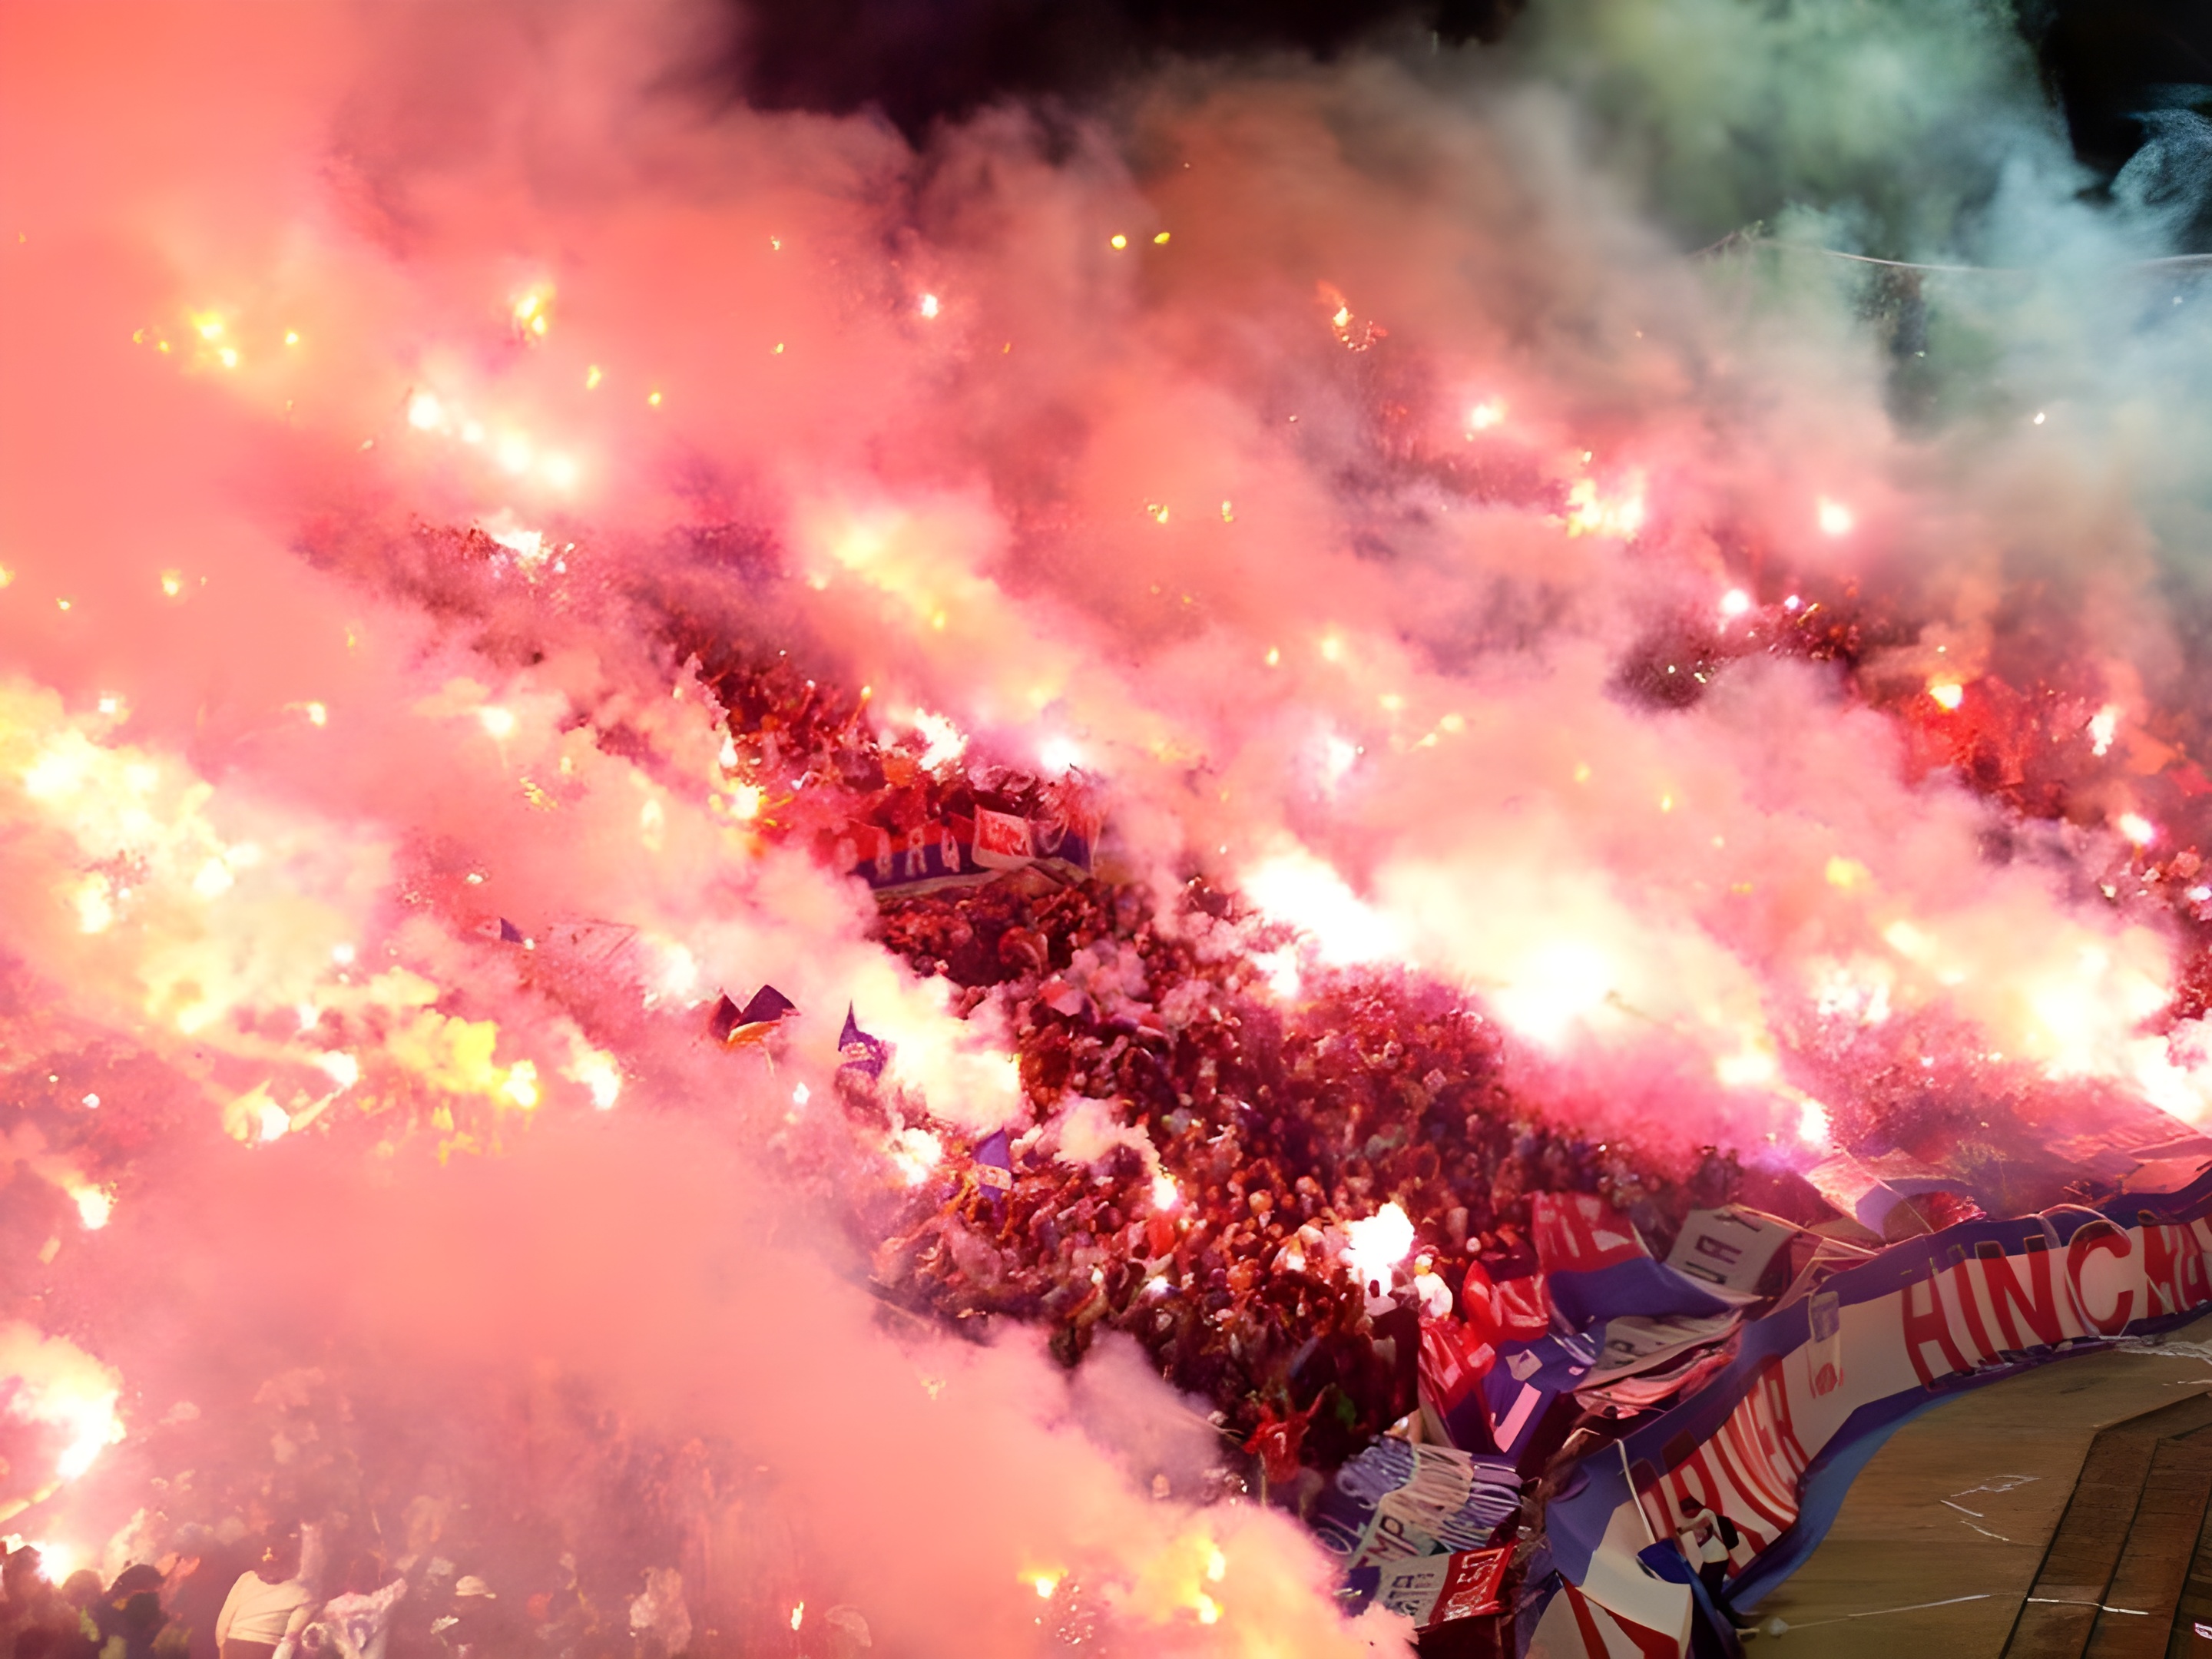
(1587, 514)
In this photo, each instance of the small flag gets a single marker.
(733, 1026)
(995, 1166)
(859, 1051)
(1002, 841)
(509, 932)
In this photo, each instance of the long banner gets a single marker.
(1775, 1439)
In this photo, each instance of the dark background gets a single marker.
(920, 61)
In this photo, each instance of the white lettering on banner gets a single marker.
(1959, 1312)
(1748, 1470)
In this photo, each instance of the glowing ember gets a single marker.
(94, 1206)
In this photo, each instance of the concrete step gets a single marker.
(2112, 1580)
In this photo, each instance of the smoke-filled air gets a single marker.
(763, 874)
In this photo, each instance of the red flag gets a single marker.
(1580, 1232)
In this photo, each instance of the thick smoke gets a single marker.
(410, 411)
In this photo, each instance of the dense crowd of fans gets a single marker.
(1243, 1129)
(1211, 1110)
(277, 1593)
(1209, 1113)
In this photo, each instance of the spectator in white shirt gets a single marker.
(268, 1607)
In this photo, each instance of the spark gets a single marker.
(1587, 515)
(92, 1101)
(745, 801)
(2103, 726)
(340, 1067)
(1813, 1123)
(1735, 602)
(514, 451)
(1485, 415)
(94, 1206)
(317, 714)
(228, 355)
(1160, 241)
(1117, 241)
(593, 376)
(1165, 1194)
(1216, 1564)
(291, 336)
(801, 1095)
(521, 1084)
(1158, 510)
(1835, 518)
(214, 879)
(798, 1615)
(599, 1074)
(1378, 1243)
(943, 742)
(528, 547)
(1209, 1610)
(1045, 1581)
(928, 307)
(2137, 827)
(499, 722)
(1060, 755)
(915, 1152)
(531, 311)
(1280, 968)
(1948, 693)
(173, 583)
(653, 399)
(2039, 417)
(275, 1122)
(425, 413)
(1274, 656)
